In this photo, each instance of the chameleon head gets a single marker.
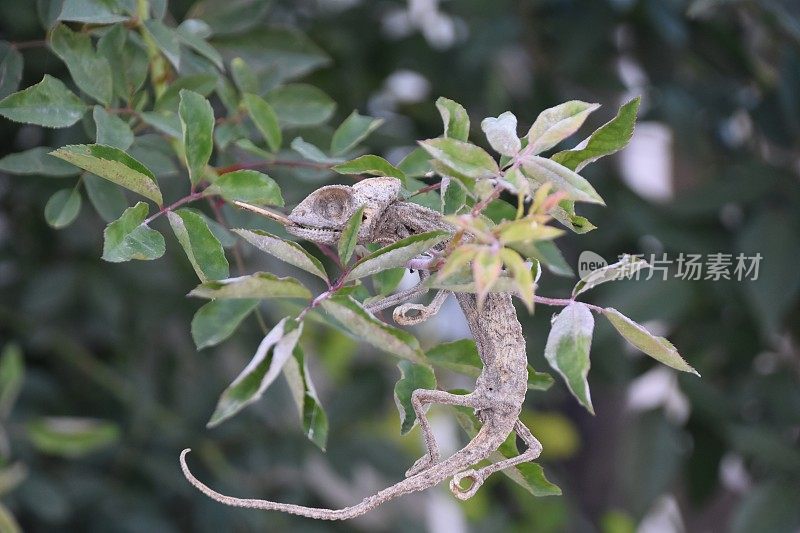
(323, 214)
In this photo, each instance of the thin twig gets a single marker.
(183, 201)
(36, 43)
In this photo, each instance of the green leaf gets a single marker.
(312, 415)
(396, 254)
(312, 153)
(454, 117)
(564, 212)
(11, 62)
(90, 71)
(387, 281)
(416, 164)
(199, 45)
(547, 253)
(461, 356)
(202, 84)
(352, 131)
(129, 238)
(658, 348)
(107, 198)
(265, 119)
(92, 11)
(567, 349)
(625, 268)
(258, 285)
(197, 124)
(609, 138)
(501, 132)
(129, 60)
(356, 320)
(372, 165)
(287, 251)
(204, 251)
(167, 39)
(218, 319)
(260, 372)
(164, 121)
(542, 170)
(12, 373)
(112, 130)
(529, 476)
(349, 236)
(244, 77)
(71, 437)
(247, 186)
(556, 124)
(38, 162)
(48, 103)
(454, 196)
(301, 105)
(114, 165)
(412, 377)
(63, 207)
(465, 158)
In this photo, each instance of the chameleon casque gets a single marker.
(499, 390)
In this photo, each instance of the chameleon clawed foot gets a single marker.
(422, 464)
(409, 314)
(475, 477)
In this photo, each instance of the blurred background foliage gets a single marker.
(713, 168)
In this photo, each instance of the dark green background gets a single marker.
(112, 341)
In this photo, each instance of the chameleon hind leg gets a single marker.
(423, 397)
(421, 313)
(477, 477)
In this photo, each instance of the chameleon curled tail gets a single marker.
(453, 466)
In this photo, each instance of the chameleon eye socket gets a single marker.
(334, 209)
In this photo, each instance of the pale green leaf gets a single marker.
(256, 285)
(63, 207)
(244, 77)
(301, 105)
(658, 348)
(556, 124)
(542, 170)
(247, 186)
(372, 165)
(564, 212)
(11, 63)
(167, 39)
(454, 117)
(609, 138)
(454, 196)
(128, 59)
(265, 119)
(37, 162)
(112, 130)
(547, 253)
(114, 165)
(71, 437)
(352, 131)
(312, 153)
(197, 125)
(90, 71)
(218, 319)
(396, 254)
(287, 251)
(465, 158)
(164, 121)
(567, 349)
(260, 372)
(416, 164)
(202, 84)
(349, 236)
(129, 238)
(356, 320)
(312, 415)
(204, 251)
(8, 524)
(501, 132)
(413, 376)
(625, 268)
(48, 103)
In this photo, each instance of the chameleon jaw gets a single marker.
(318, 235)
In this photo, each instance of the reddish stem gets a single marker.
(183, 201)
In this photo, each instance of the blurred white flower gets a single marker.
(659, 388)
(663, 517)
(647, 162)
(407, 86)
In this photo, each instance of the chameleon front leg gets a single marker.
(423, 397)
(477, 477)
